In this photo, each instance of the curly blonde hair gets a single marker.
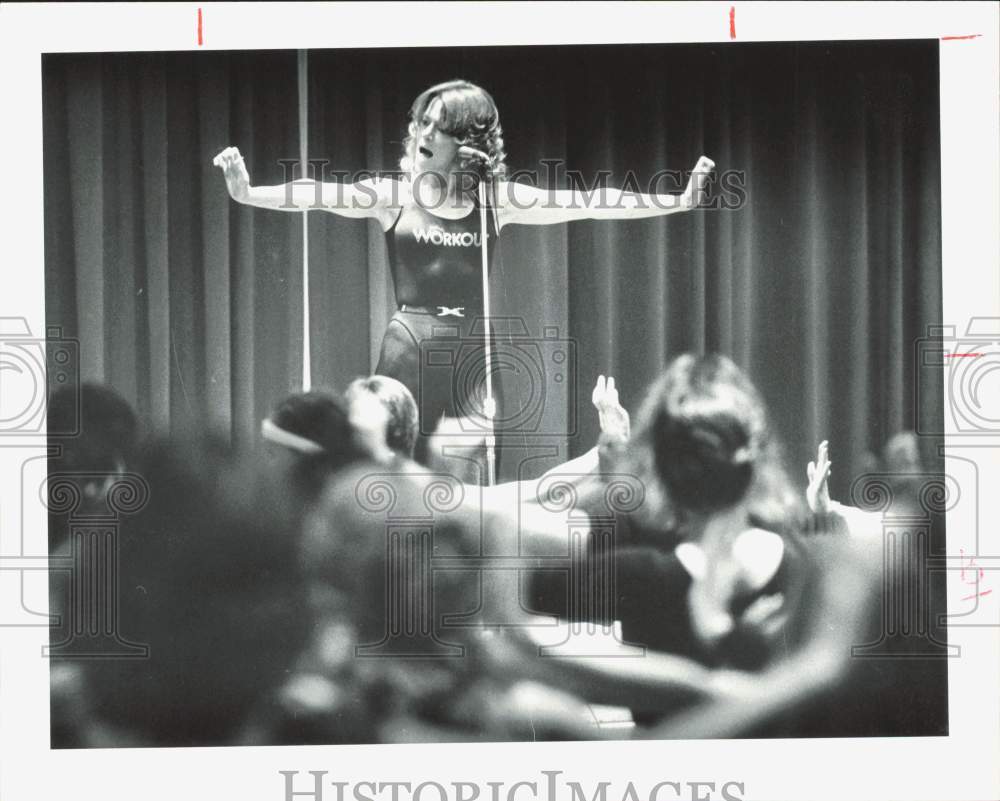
(469, 114)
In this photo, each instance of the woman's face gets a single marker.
(435, 151)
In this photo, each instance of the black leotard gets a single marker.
(434, 342)
(438, 262)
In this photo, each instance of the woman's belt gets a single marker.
(437, 311)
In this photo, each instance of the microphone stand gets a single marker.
(489, 405)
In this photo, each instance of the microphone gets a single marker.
(475, 155)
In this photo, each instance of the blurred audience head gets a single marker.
(108, 430)
(208, 580)
(704, 443)
(352, 549)
(373, 548)
(313, 430)
(901, 453)
(402, 425)
(102, 447)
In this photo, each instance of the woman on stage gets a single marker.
(434, 236)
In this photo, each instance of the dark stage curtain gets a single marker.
(818, 285)
(187, 304)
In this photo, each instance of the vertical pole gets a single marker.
(303, 76)
(490, 404)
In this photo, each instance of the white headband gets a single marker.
(273, 433)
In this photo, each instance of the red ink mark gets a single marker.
(732, 22)
(200, 39)
(972, 563)
(954, 38)
(962, 355)
(975, 580)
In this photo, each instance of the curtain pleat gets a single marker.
(152, 298)
(86, 184)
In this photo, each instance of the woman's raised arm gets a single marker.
(524, 204)
(361, 199)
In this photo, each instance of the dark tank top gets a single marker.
(438, 262)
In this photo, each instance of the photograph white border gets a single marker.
(960, 767)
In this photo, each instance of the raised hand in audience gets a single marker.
(818, 473)
(613, 417)
(614, 421)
